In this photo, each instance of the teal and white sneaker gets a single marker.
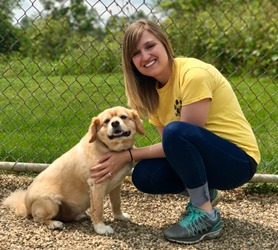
(194, 227)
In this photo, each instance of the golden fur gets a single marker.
(64, 191)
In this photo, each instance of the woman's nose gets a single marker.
(145, 55)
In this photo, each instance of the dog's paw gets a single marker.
(101, 228)
(55, 224)
(122, 216)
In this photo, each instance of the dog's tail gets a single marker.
(16, 201)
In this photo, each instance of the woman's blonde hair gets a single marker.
(140, 89)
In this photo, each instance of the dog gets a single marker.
(65, 192)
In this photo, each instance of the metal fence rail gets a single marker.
(39, 167)
(61, 65)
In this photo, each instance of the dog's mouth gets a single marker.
(119, 134)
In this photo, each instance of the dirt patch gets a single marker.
(250, 221)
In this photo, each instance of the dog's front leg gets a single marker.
(115, 198)
(97, 194)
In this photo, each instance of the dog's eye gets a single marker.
(106, 121)
(123, 117)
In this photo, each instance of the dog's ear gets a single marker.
(139, 124)
(94, 127)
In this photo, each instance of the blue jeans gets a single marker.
(194, 157)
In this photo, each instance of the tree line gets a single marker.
(235, 35)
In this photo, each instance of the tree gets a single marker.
(60, 29)
(79, 16)
(6, 7)
(50, 38)
(8, 34)
(233, 35)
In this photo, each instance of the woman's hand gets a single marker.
(108, 165)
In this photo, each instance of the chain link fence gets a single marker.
(61, 65)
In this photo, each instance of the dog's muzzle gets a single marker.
(117, 131)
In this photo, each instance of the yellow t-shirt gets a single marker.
(193, 80)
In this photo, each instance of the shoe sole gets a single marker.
(210, 235)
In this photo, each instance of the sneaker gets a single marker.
(215, 197)
(196, 226)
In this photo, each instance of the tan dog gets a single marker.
(64, 191)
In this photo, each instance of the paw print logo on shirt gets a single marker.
(177, 107)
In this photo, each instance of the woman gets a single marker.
(207, 143)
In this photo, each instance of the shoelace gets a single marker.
(193, 222)
(188, 209)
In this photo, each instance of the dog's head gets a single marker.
(116, 128)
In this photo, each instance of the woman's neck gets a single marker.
(164, 78)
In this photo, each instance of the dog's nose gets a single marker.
(115, 124)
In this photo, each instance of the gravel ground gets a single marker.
(250, 221)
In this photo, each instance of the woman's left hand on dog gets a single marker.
(109, 165)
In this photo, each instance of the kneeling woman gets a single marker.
(207, 143)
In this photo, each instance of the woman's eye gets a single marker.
(150, 46)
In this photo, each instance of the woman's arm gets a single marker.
(196, 113)
(152, 151)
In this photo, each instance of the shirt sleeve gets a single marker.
(197, 84)
(153, 119)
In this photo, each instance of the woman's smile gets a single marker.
(149, 64)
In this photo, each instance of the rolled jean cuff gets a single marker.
(199, 195)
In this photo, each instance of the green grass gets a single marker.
(261, 188)
(258, 98)
(42, 117)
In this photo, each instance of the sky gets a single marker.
(33, 8)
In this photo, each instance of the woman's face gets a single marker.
(150, 58)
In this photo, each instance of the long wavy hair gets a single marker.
(140, 89)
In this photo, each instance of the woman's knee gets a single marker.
(136, 177)
(155, 176)
(175, 131)
(140, 177)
